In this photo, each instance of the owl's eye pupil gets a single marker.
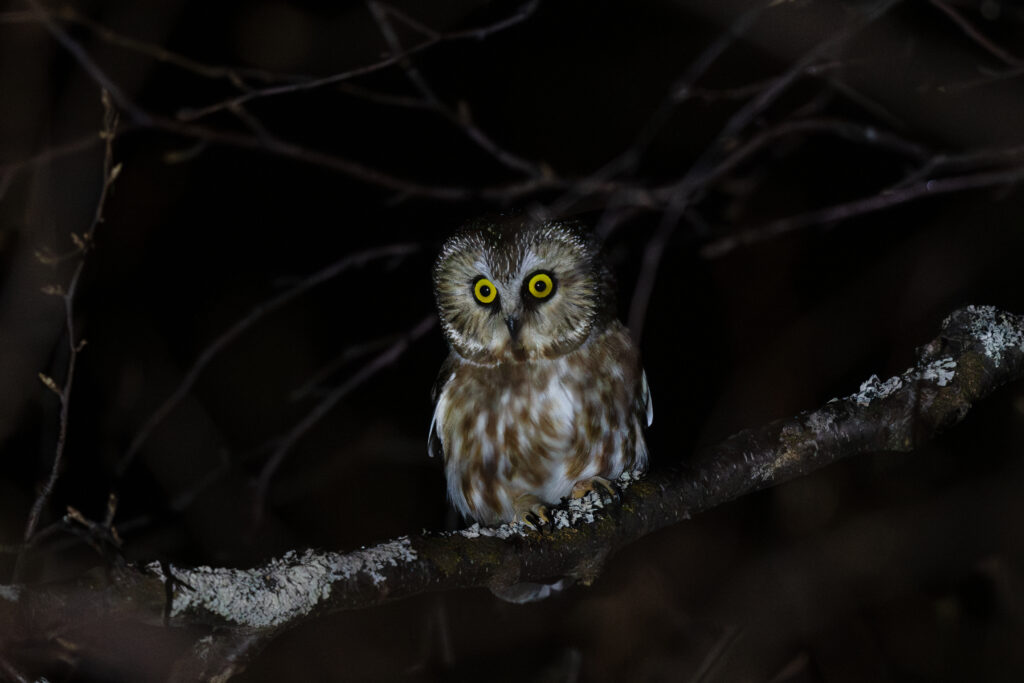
(540, 285)
(485, 291)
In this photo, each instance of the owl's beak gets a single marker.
(513, 324)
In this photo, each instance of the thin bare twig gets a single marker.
(83, 244)
(461, 119)
(919, 184)
(860, 207)
(695, 179)
(86, 62)
(267, 142)
(987, 79)
(678, 92)
(367, 371)
(742, 92)
(82, 144)
(384, 98)
(254, 316)
(103, 536)
(523, 13)
(180, 502)
(964, 161)
(975, 35)
(235, 75)
(721, 647)
(350, 353)
(849, 130)
(11, 673)
(252, 123)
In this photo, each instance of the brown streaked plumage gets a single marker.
(543, 394)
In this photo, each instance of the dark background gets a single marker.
(887, 567)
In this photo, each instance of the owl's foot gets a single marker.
(532, 512)
(608, 492)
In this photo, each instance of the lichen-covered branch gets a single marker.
(979, 349)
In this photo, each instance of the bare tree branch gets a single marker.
(986, 80)
(682, 193)
(86, 62)
(347, 355)
(975, 35)
(47, 155)
(83, 244)
(860, 207)
(263, 140)
(679, 91)
(236, 330)
(462, 118)
(11, 673)
(398, 56)
(235, 75)
(979, 349)
(388, 357)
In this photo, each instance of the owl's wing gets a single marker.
(434, 445)
(644, 403)
(444, 375)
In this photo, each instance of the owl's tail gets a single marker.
(526, 591)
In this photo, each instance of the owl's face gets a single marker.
(520, 291)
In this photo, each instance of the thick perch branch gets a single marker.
(979, 349)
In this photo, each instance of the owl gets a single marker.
(542, 395)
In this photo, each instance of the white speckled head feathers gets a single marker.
(507, 253)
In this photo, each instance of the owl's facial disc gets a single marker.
(526, 293)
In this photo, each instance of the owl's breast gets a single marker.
(537, 428)
(509, 413)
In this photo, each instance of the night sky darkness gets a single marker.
(885, 567)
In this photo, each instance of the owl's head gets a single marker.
(513, 290)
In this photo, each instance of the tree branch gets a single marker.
(75, 344)
(324, 406)
(859, 207)
(397, 56)
(682, 194)
(979, 349)
(392, 251)
(975, 35)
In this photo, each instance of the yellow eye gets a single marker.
(541, 285)
(484, 291)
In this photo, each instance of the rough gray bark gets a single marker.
(979, 349)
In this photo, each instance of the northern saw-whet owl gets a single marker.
(543, 395)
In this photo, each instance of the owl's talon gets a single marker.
(613, 492)
(608, 491)
(535, 515)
